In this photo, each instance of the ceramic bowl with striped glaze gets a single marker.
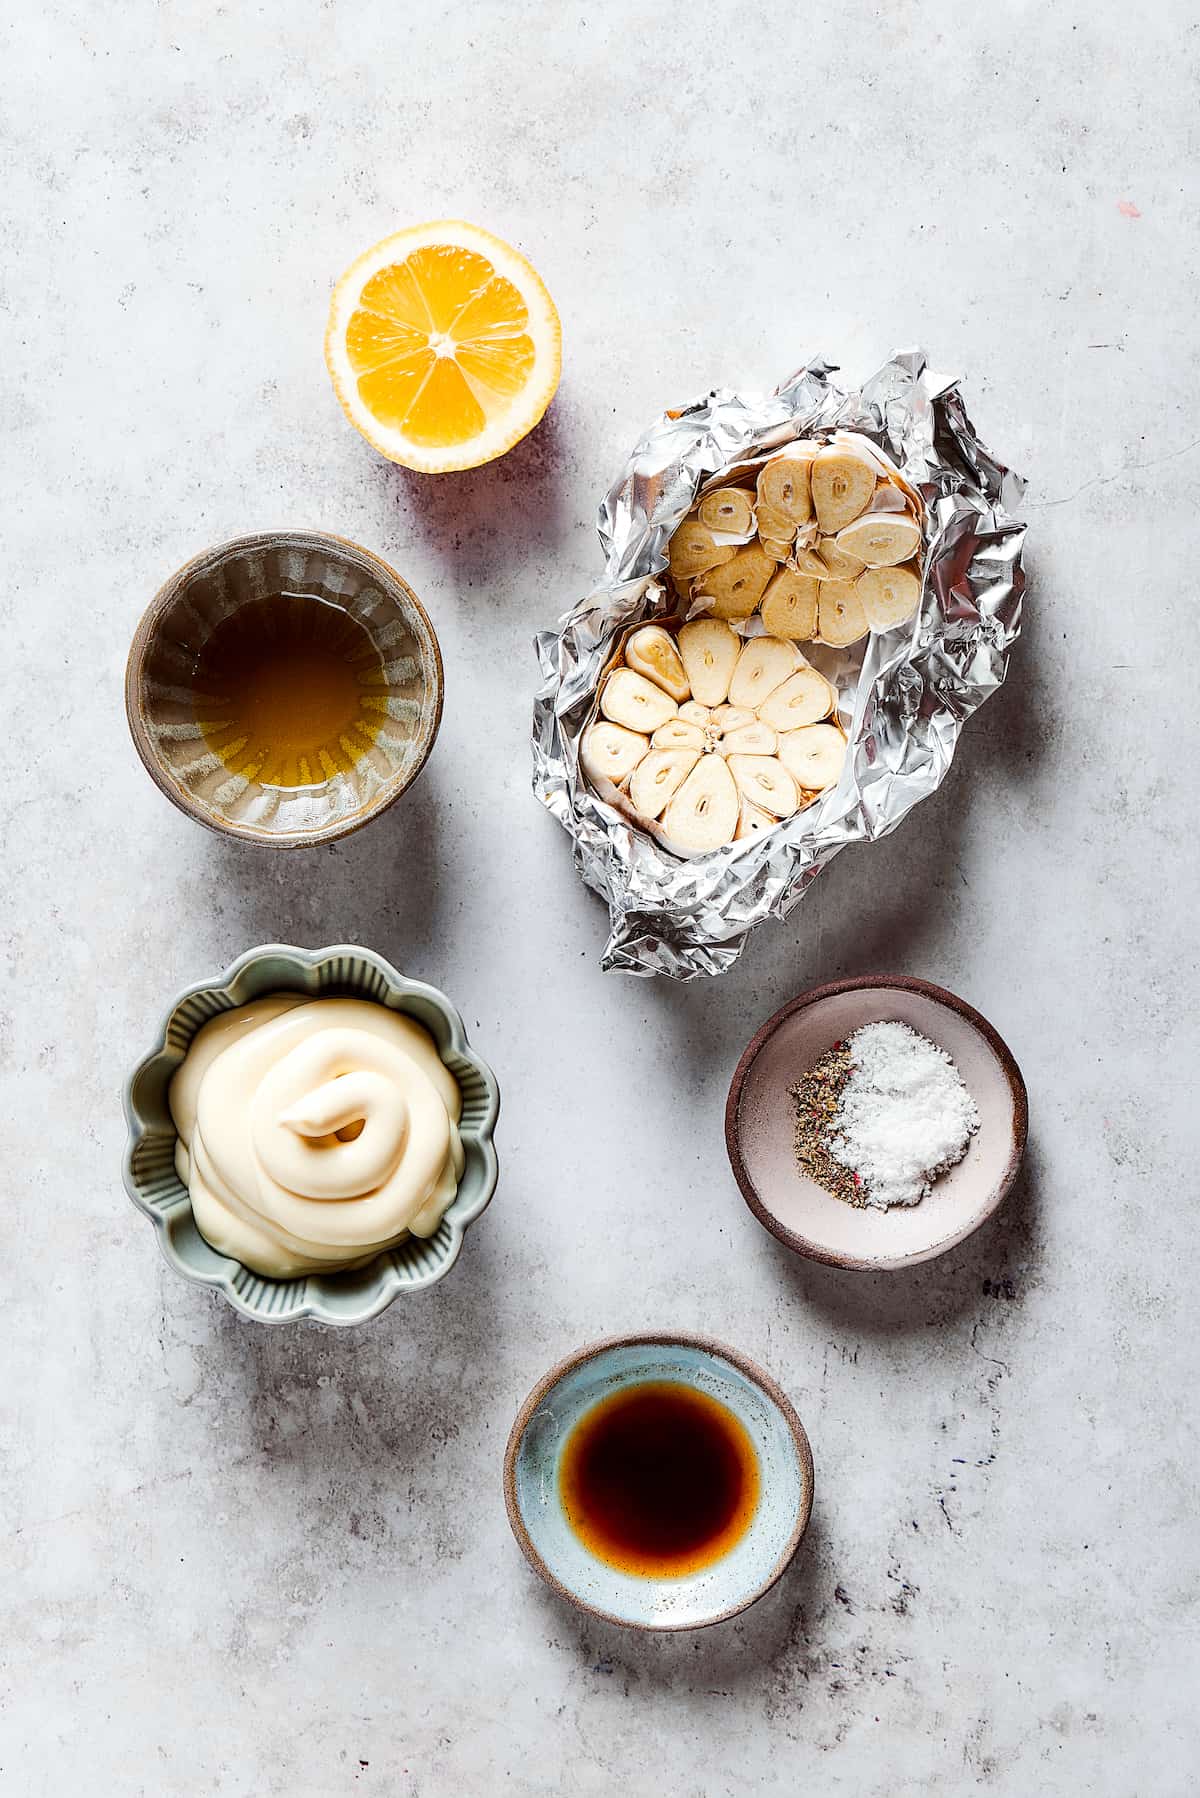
(160, 701)
(156, 1189)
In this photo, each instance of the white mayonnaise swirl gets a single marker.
(315, 1132)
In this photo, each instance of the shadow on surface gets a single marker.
(1022, 725)
(380, 887)
(875, 909)
(481, 521)
(375, 1403)
(995, 1262)
(714, 1659)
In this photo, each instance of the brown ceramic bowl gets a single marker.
(208, 590)
(760, 1125)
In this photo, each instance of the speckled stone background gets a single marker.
(255, 1563)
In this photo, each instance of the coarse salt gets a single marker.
(904, 1116)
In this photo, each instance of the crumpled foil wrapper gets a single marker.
(902, 709)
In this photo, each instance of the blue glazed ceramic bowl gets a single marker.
(533, 1460)
(155, 1187)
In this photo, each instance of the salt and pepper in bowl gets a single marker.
(882, 1153)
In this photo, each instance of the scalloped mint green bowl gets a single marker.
(155, 1187)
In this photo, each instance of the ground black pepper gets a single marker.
(817, 1095)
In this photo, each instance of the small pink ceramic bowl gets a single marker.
(760, 1124)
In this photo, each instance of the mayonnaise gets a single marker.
(314, 1132)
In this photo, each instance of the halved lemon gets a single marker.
(443, 346)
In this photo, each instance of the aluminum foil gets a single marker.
(903, 707)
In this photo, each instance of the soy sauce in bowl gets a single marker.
(659, 1480)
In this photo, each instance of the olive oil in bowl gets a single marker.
(290, 691)
(284, 688)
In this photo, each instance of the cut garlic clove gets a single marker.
(703, 814)
(754, 738)
(629, 698)
(888, 596)
(789, 606)
(840, 565)
(880, 461)
(727, 509)
(881, 539)
(843, 482)
(808, 562)
(804, 697)
(679, 733)
(814, 756)
(695, 713)
(841, 619)
(609, 751)
(709, 650)
(765, 782)
(775, 524)
(783, 485)
(736, 587)
(657, 778)
(763, 665)
(731, 717)
(692, 550)
(652, 652)
(887, 498)
(776, 548)
(752, 822)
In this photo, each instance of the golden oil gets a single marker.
(290, 691)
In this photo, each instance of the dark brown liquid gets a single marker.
(659, 1480)
(290, 691)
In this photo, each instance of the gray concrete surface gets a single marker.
(255, 1563)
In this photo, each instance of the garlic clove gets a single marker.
(804, 698)
(881, 539)
(841, 619)
(651, 652)
(755, 738)
(752, 822)
(814, 756)
(657, 778)
(703, 814)
(783, 486)
(727, 509)
(763, 665)
(736, 587)
(629, 698)
(679, 733)
(765, 782)
(610, 752)
(709, 650)
(789, 606)
(843, 482)
(692, 550)
(889, 596)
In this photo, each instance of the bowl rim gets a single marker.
(152, 617)
(708, 1345)
(389, 1284)
(906, 983)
